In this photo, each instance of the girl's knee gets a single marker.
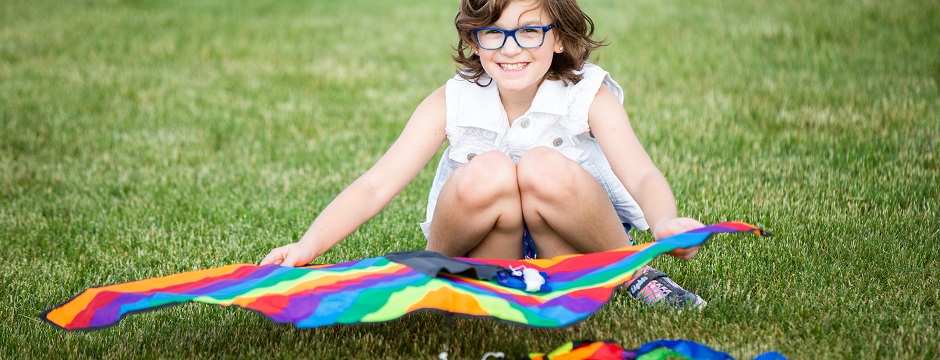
(547, 172)
(488, 175)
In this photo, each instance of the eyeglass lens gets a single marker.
(525, 37)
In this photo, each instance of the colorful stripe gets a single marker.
(376, 290)
(654, 350)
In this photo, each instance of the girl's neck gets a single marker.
(516, 103)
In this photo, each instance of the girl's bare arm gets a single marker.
(371, 192)
(632, 165)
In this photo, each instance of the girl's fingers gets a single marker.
(291, 260)
(276, 257)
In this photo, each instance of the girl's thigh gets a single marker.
(565, 208)
(478, 212)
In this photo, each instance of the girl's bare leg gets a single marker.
(565, 209)
(478, 212)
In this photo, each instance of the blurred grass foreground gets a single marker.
(145, 138)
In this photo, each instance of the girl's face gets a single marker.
(514, 68)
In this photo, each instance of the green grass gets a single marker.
(145, 138)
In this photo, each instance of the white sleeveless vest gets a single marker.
(557, 119)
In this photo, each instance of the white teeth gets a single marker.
(516, 66)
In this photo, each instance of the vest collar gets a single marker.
(486, 111)
(550, 98)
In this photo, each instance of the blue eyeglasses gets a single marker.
(527, 37)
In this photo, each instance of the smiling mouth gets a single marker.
(513, 66)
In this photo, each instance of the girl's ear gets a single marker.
(559, 45)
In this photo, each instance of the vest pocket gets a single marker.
(470, 142)
(557, 138)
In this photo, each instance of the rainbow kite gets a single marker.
(380, 289)
(654, 350)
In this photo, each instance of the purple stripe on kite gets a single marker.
(724, 228)
(573, 276)
(111, 312)
(568, 276)
(402, 276)
(576, 303)
(292, 313)
(710, 228)
(188, 286)
(563, 314)
(569, 280)
(221, 287)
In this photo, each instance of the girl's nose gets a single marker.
(510, 48)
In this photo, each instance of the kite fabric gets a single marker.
(654, 350)
(378, 289)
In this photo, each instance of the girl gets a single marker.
(542, 155)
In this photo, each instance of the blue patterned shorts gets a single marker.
(528, 246)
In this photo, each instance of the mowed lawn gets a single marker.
(145, 138)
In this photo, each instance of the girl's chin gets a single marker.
(514, 80)
(513, 86)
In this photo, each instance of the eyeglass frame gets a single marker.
(512, 34)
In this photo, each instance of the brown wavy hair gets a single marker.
(573, 29)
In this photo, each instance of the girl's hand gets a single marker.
(295, 254)
(674, 226)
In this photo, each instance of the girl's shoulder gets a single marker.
(582, 94)
(593, 76)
